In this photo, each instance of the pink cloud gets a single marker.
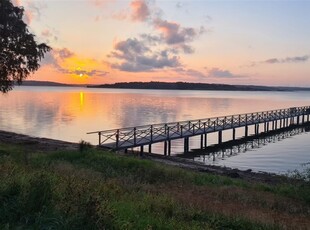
(32, 10)
(140, 10)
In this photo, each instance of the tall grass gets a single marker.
(92, 189)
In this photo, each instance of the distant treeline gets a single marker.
(192, 86)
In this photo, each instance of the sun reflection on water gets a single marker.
(81, 100)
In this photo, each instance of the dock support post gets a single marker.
(126, 150)
(246, 131)
(265, 127)
(141, 150)
(234, 134)
(186, 144)
(303, 119)
(280, 123)
(150, 148)
(220, 136)
(169, 147)
(201, 141)
(256, 129)
(297, 120)
(165, 148)
(205, 140)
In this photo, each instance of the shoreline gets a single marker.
(38, 143)
(46, 144)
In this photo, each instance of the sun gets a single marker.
(81, 75)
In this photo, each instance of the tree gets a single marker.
(20, 54)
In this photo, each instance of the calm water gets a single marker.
(69, 113)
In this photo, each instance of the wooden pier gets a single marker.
(145, 136)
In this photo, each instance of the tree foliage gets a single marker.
(20, 54)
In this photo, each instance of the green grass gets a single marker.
(93, 189)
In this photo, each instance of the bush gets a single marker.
(84, 145)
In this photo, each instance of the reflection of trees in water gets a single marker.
(233, 148)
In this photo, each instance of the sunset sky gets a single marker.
(233, 42)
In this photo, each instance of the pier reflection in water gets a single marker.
(214, 154)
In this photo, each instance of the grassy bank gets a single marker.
(93, 189)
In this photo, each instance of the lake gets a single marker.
(68, 113)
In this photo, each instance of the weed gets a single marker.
(84, 145)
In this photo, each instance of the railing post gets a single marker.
(232, 121)
(151, 133)
(181, 130)
(134, 136)
(168, 129)
(99, 134)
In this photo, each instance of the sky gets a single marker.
(252, 42)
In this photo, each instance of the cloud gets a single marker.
(57, 57)
(179, 5)
(220, 73)
(90, 73)
(173, 33)
(207, 18)
(138, 55)
(49, 36)
(140, 10)
(159, 50)
(32, 9)
(191, 73)
(296, 59)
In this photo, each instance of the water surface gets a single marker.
(68, 113)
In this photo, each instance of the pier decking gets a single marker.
(140, 136)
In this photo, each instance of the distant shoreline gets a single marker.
(195, 86)
(172, 86)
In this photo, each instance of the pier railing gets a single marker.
(148, 134)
